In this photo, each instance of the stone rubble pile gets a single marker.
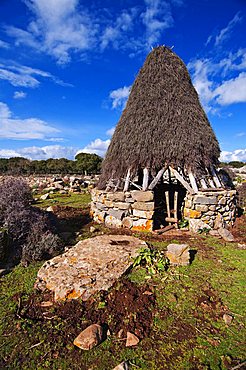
(61, 184)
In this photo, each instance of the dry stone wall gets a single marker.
(133, 210)
(215, 209)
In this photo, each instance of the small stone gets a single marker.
(50, 209)
(46, 304)
(226, 235)
(89, 338)
(143, 214)
(241, 246)
(227, 319)
(131, 339)
(92, 229)
(178, 254)
(122, 366)
(116, 213)
(45, 197)
(219, 222)
(120, 333)
(127, 222)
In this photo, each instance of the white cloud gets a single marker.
(97, 146)
(65, 27)
(119, 97)
(210, 77)
(232, 91)
(45, 152)
(240, 134)
(23, 129)
(236, 155)
(156, 18)
(19, 95)
(58, 28)
(4, 45)
(111, 131)
(20, 75)
(225, 32)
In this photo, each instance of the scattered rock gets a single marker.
(241, 246)
(227, 319)
(178, 254)
(195, 225)
(214, 232)
(89, 338)
(131, 339)
(120, 333)
(50, 209)
(45, 196)
(122, 366)
(226, 235)
(4, 272)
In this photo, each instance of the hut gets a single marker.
(161, 164)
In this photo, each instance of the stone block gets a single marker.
(101, 206)
(219, 222)
(206, 200)
(116, 213)
(188, 203)
(130, 200)
(142, 206)
(201, 208)
(117, 196)
(196, 225)
(192, 213)
(111, 221)
(178, 254)
(143, 214)
(122, 205)
(142, 196)
(212, 208)
(109, 203)
(222, 201)
(142, 225)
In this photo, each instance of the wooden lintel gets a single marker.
(127, 181)
(156, 179)
(145, 178)
(182, 180)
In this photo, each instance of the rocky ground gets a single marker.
(185, 317)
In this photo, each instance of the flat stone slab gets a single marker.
(91, 265)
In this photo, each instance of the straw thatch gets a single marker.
(163, 123)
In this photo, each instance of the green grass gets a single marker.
(188, 331)
(80, 200)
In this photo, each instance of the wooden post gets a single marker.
(215, 177)
(210, 181)
(145, 179)
(176, 208)
(168, 206)
(203, 184)
(156, 179)
(193, 182)
(117, 185)
(127, 181)
(182, 180)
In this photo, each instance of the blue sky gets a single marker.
(66, 68)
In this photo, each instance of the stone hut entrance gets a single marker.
(161, 165)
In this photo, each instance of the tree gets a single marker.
(88, 163)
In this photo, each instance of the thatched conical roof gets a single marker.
(163, 123)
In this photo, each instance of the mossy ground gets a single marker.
(187, 330)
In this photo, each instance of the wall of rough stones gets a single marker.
(135, 209)
(216, 209)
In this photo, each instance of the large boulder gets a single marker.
(90, 266)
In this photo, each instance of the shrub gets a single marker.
(29, 228)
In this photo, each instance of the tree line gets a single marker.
(84, 163)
